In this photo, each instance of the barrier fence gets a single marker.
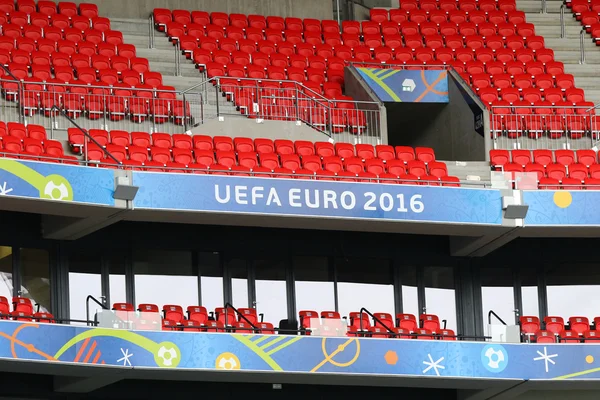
(99, 106)
(551, 127)
(130, 109)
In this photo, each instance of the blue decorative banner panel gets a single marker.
(285, 353)
(398, 85)
(561, 207)
(56, 182)
(300, 197)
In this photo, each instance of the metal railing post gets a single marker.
(339, 19)
(217, 84)
(544, 7)
(151, 31)
(582, 46)
(562, 21)
(177, 59)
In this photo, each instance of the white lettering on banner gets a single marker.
(295, 197)
(307, 198)
(257, 193)
(227, 194)
(330, 197)
(344, 199)
(315, 198)
(241, 194)
(273, 198)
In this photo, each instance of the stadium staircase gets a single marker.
(567, 49)
(162, 59)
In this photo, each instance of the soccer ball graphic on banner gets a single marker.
(167, 355)
(494, 358)
(227, 361)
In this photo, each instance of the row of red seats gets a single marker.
(504, 109)
(316, 75)
(451, 14)
(49, 8)
(62, 39)
(405, 326)
(464, 5)
(413, 41)
(259, 146)
(60, 53)
(418, 24)
(499, 158)
(271, 161)
(62, 22)
(198, 319)
(578, 172)
(85, 75)
(163, 16)
(463, 59)
(552, 127)
(553, 96)
(23, 310)
(577, 330)
(525, 83)
(458, 12)
(40, 63)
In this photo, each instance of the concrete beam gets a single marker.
(68, 228)
(496, 393)
(68, 384)
(461, 246)
(73, 228)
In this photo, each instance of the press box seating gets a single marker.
(197, 318)
(363, 325)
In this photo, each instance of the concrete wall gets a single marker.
(447, 128)
(320, 9)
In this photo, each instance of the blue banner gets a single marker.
(285, 353)
(56, 182)
(299, 197)
(398, 85)
(561, 207)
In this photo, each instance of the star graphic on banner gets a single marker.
(4, 190)
(548, 358)
(126, 357)
(435, 365)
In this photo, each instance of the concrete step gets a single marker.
(592, 56)
(550, 19)
(130, 26)
(558, 44)
(168, 68)
(160, 55)
(160, 41)
(583, 70)
(533, 6)
(480, 170)
(553, 32)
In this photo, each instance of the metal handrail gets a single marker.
(562, 21)
(582, 46)
(177, 59)
(497, 317)
(228, 305)
(19, 87)
(87, 307)
(86, 134)
(364, 310)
